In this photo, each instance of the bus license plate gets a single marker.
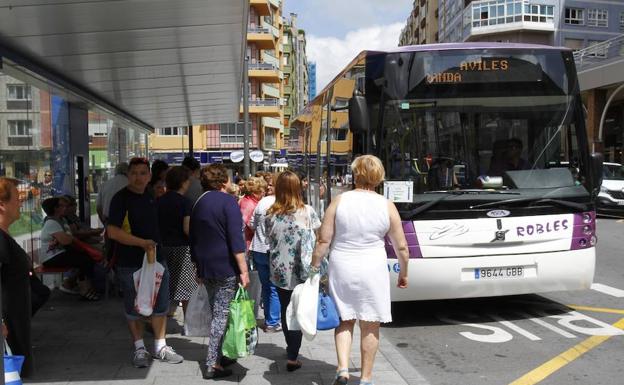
(499, 272)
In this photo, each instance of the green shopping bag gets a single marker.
(241, 326)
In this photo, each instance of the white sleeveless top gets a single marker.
(361, 223)
(358, 274)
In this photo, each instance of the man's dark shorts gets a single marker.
(161, 308)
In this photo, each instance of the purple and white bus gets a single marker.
(486, 157)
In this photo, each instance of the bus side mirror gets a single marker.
(596, 171)
(358, 114)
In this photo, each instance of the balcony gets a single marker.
(264, 71)
(275, 3)
(270, 90)
(482, 18)
(270, 59)
(262, 37)
(266, 107)
(273, 123)
(271, 28)
(262, 7)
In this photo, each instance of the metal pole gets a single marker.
(190, 135)
(246, 163)
(330, 96)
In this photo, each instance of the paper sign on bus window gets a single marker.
(399, 191)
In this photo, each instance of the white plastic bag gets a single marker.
(301, 312)
(147, 281)
(198, 314)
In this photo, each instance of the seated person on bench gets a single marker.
(56, 250)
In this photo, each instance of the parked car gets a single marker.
(611, 197)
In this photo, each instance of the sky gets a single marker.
(337, 30)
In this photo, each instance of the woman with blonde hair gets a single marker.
(358, 282)
(289, 223)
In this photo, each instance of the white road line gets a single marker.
(548, 326)
(608, 290)
(515, 328)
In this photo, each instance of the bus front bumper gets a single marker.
(446, 278)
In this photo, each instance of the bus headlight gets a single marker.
(587, 217)
(587, 229)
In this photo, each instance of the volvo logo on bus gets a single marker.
(498, 213)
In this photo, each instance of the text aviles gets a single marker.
(484, 65)
(468, 66)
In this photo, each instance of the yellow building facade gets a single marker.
(214, 142)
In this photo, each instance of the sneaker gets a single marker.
(141, 358)
(167, 354)
(273, 329)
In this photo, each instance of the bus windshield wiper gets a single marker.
(448, 194)
(560, 202)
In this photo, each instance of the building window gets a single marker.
(18, 92)
(233, 133)
(598, 18)
(18, 97)
(538, 13)
(270, 138)
(339, 133)
(574, 16)
(509, 11)
(172, 131)
(341, 103)
(19, 133)
(575, 44)
(621, 21)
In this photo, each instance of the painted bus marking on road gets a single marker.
(612, 291)
(572, 320)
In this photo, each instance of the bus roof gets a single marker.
(471, 45)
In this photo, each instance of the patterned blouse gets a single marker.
(291, 241)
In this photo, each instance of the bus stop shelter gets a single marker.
(83, 83)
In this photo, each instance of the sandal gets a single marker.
(342, 377)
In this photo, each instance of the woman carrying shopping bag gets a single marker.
(290, 226)
(358, 282)
(218, 251)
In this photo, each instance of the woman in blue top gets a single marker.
(218, 250)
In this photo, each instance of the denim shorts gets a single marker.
(126, 281)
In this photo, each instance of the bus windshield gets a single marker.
(454, 120)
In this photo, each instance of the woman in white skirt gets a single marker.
(358, 279)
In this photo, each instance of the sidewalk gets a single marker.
(79, 342)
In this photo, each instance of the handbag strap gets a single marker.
(7, 349)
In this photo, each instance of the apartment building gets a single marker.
(215, 142)
(572, 23)
(422, 24)
(295, 67)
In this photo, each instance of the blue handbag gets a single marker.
(12, 367)
(327, 314)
